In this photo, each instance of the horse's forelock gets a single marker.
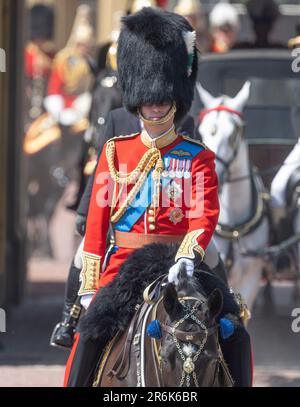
(189, 286)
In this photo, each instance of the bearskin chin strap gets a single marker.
(163, 120)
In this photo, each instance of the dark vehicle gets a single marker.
(268, 114)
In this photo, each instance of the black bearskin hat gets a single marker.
(41, 22)
(154, 64)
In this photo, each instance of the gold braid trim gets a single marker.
(190, 245)
(150, 159)
(90, 273)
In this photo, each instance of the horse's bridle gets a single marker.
(235, 146)
(191, 337)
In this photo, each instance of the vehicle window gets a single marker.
(273, 110)
(267, 92)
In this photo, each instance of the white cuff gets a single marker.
(86, 300)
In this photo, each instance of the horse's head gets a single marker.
(221, 126)
(189, 346)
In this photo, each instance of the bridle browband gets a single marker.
(220, 108)
(223, 108)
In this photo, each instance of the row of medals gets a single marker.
(176, 168)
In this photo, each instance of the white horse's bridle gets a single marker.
(240, 125)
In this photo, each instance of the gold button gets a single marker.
(151, 212)
(151, 219)
(152, 227)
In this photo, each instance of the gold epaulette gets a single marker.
(196, 142)
(123, 137)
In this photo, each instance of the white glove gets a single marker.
(86, 299)
(82, 104)
(79, 110)
(174, 270)
(54, 105)
(69, 116)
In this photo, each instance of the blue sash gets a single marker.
(183, 151)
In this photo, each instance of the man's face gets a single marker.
(155, 112)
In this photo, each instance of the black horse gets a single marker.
(186, 350)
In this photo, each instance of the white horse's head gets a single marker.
(221, 125)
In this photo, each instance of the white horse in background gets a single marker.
(243, 225)
(285, 203)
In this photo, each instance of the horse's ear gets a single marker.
(239, 101)
(206, 98)
(171, 303)
(215, 303)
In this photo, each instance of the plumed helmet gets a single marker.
(138, 5)
(224, 15)
(41, 20)
(188, 7)
(82, 30)
(157, 60)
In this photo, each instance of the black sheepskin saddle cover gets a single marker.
(114, 305)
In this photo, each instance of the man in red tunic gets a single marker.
(71, 78)
(153, 186)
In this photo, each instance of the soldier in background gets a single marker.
(69, 97)
(39, 53)
(192, 11)
(53, 141)
(69, 93)
(295, 41)
(224, 23)
(263, 15)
